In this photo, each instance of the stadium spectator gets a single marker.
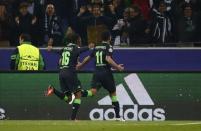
(5, 26)
(96, 23)
(77, 4)
(100, 2)
(26, 56)
(144, 7)
(172, 7)
(109, 9)
(67, 11)
(128, 3)
(187, 25)
(120, 29)
(139, 31)
(53, 34)
(25, 22)
(13, 6)
(114, 7)
(196, 4)
(35, 8)
(162, 24)
(78, 26)
(89, 7)
(155, 3)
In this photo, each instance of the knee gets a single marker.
(69, 98)
(94, 91)
(78, 94)
(113, 93)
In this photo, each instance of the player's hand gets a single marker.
(78, 66)
(33, 20)
(49, 47)
(17, 20)
(120, 67)
(69, 30)
(50, 43)
(147, 31)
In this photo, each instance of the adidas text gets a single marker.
(134, 114)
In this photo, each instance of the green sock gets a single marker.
(86, 93)
(65, 98)
(89, 93)
(115, 104)
(114, 98)
(77, 101)
(75, 108)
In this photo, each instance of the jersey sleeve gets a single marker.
(83, 49)
(92, 53)
(109, 50)
(60, 51)
(41, 63)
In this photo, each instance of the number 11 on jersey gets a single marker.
(99, 57)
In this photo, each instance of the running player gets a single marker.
(69, 82)
(103, 75)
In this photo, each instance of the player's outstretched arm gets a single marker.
(84, 62)
(119, 67)
(50, 43)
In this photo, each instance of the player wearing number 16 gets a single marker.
(69, 82)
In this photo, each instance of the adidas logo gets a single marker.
(137, 89)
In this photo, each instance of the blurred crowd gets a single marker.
(131, 22)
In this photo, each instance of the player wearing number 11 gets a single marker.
(103, 75)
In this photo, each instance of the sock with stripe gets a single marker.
(75, 108)
(61, 95)
(115, 104)
(86, 93)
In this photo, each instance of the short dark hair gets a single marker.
(25, 37)
(72, 38)
(159, 3)
(185, 5)
(23, 5)
(96, 6)
(105, 35)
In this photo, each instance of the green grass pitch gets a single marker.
(57, 125)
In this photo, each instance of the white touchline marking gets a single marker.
(183, 124)
(105, 123)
